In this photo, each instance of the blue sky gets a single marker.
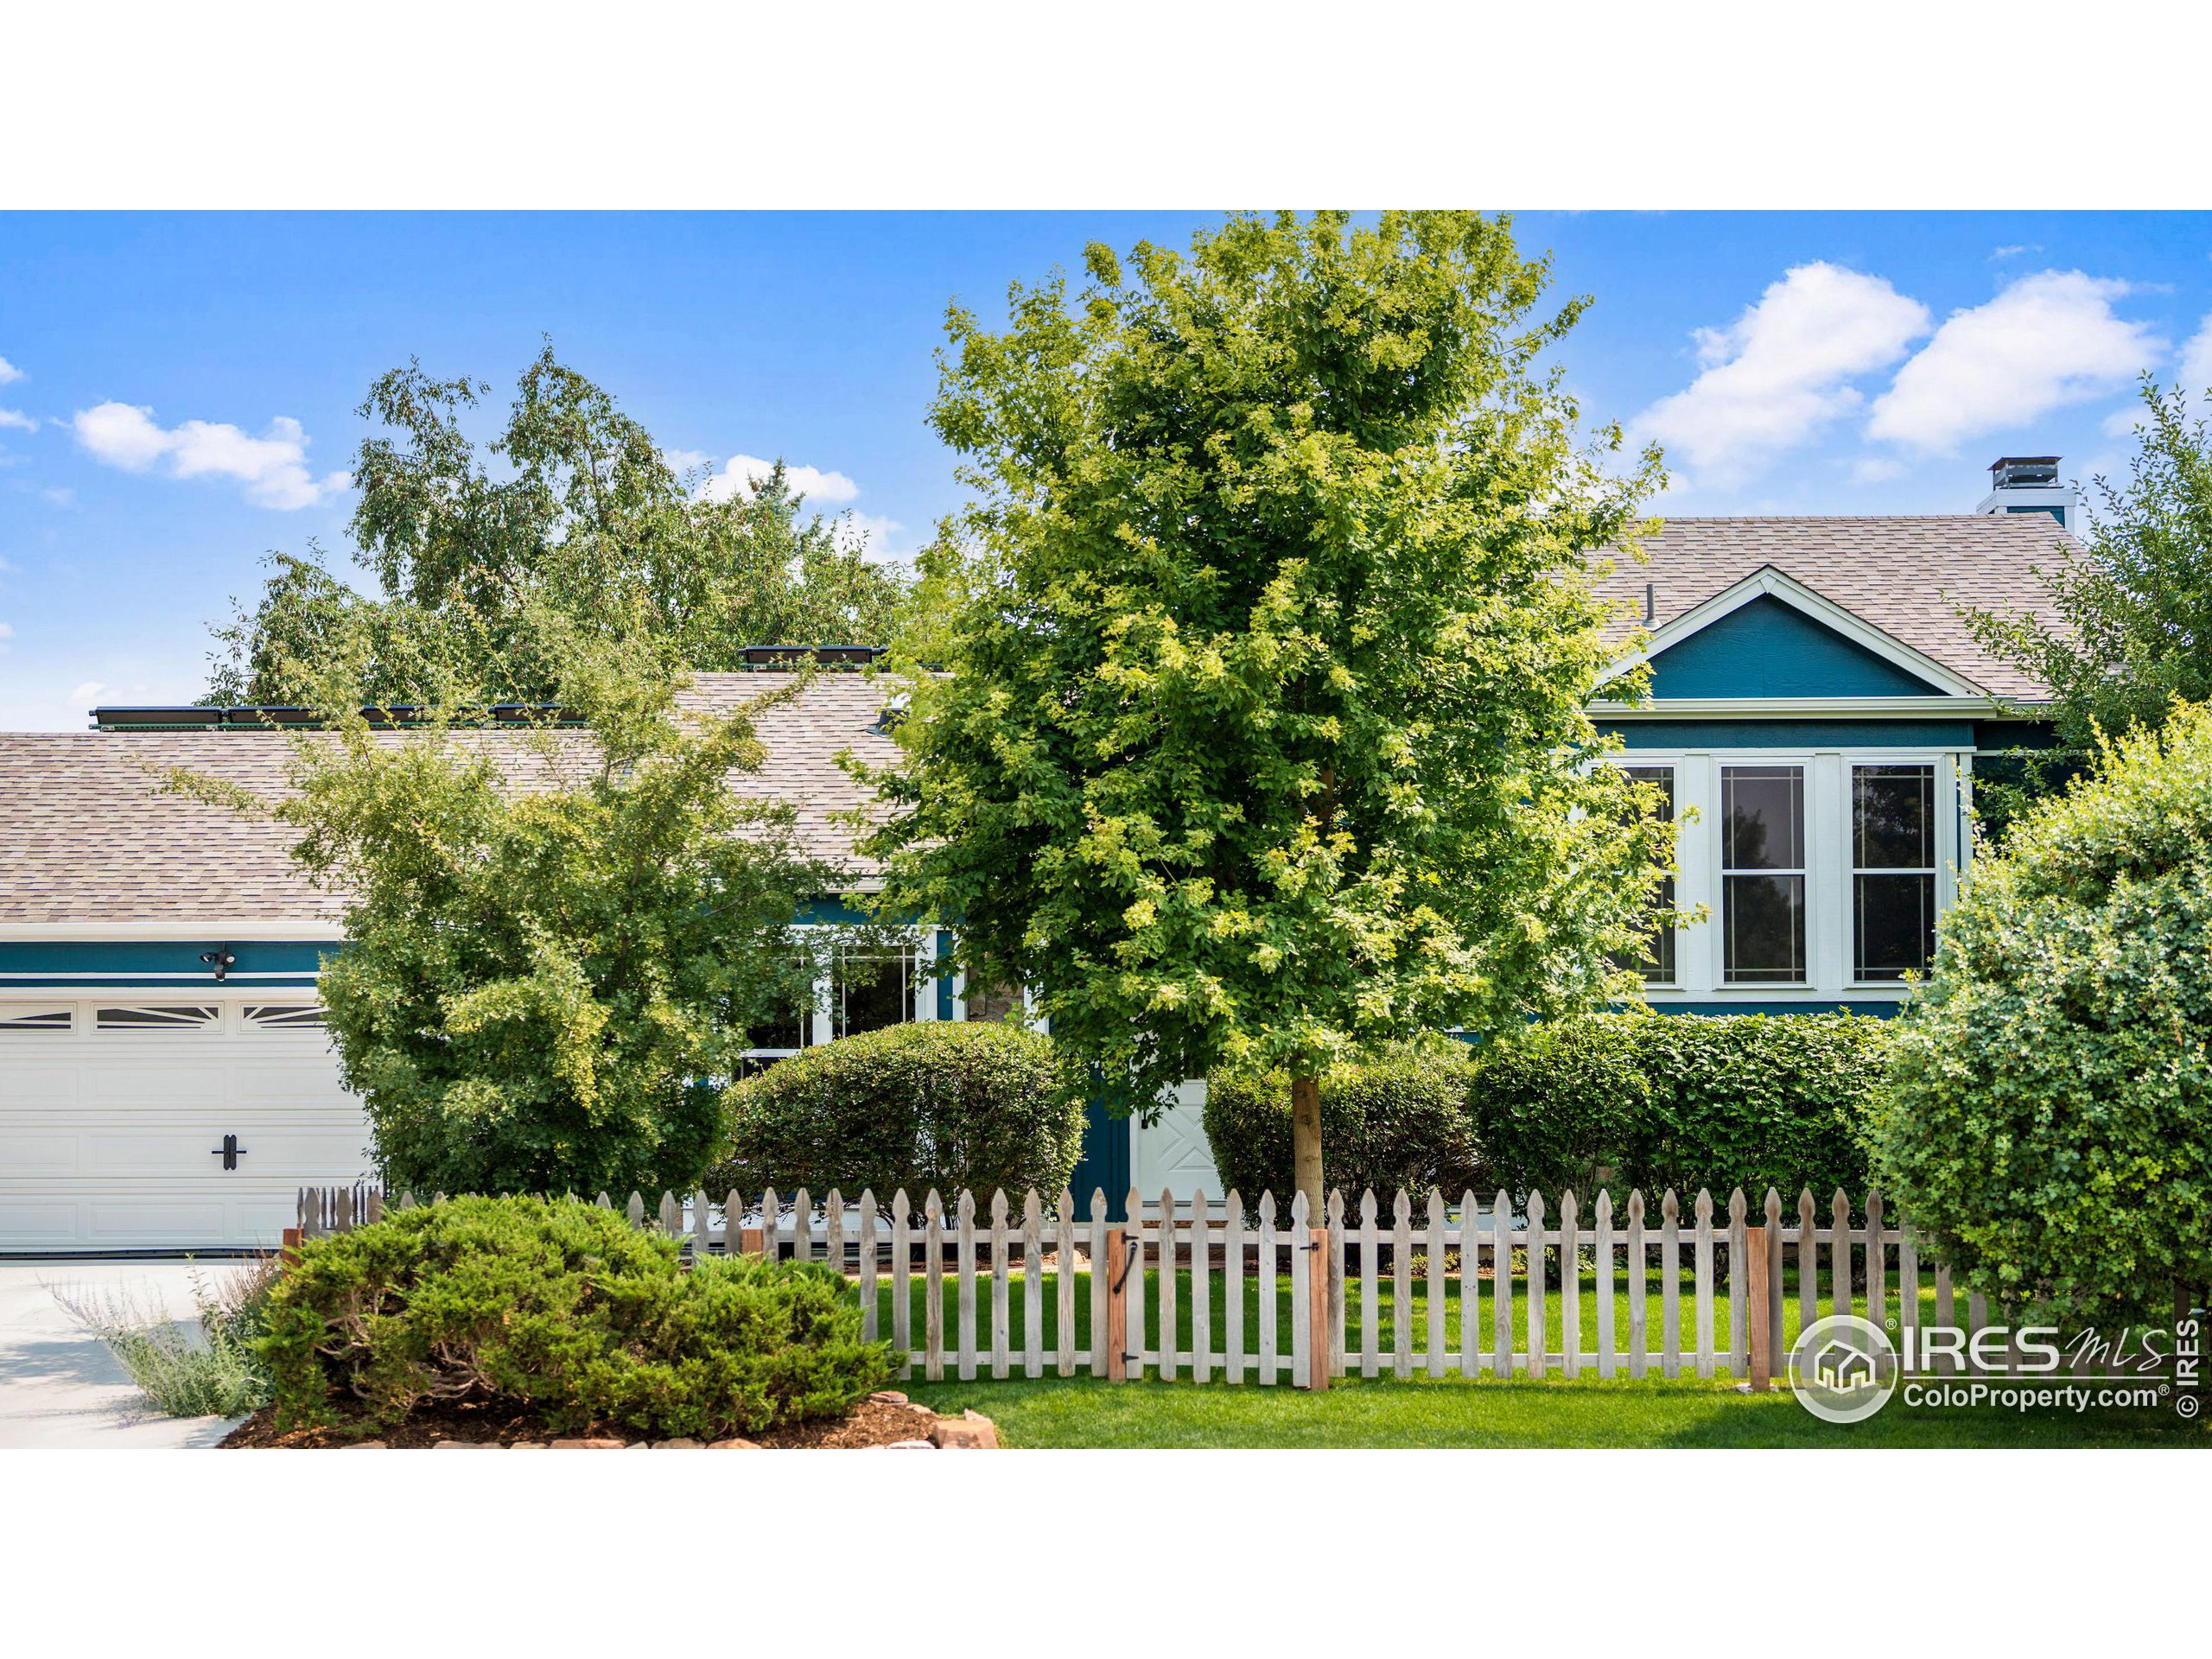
(178, 390)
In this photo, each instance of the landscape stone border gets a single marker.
(969, 1432)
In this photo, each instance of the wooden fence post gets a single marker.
(1116, 1267)
(1761, 1331)
(1317, 1279)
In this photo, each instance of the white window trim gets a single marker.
(1827, 846)
(821, 1016)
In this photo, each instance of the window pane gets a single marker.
(1765, 929)
(1896, 924)
(1893, 818)
(873, 992)
(1657, 961)
(1763, 817)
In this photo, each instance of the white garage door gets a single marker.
(116, 1116)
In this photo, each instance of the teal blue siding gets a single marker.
(1769, 649)
(1794, 734)
(94, 963)
(1105, 1165)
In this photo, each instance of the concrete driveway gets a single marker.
(59, 1385)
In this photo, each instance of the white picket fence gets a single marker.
(1503, 1269)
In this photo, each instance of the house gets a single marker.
(165, 1082)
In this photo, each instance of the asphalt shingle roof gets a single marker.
(87, 836)
(1906, 577)
(87, 833)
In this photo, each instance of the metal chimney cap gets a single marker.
(2011, 471)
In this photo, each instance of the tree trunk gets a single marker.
(1306, 1144)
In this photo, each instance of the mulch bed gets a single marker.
(869, 1423)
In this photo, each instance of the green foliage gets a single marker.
(565, 1309)
(572, 520)
(1682, 1101)
(933, 1104)
(220, 1374)
(1551, 1106)
(1398, 1120)
(2133, 627)
(1263, 735)
(2050, 1123)
(1753, 1100)
(558, 938)
(1653, 1101)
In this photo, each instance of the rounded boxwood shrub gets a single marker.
(566, 1310)
(933, 1104)
(2049, 1124)
(1397, 1121)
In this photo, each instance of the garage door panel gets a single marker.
(35, 1221)
(183, 1152)
(33, 1086)
(33, 1153)
(112, 1147)
(141, 1085)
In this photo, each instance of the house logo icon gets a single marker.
(1843, 1369)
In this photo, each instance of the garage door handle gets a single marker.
(230, 1151)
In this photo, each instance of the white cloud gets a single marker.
(738, 472)
(88, 693)
(273, 468)
(1778, 373)
(58, 497)
(874, 533)
(2194, 371)
(2045, 341)
(686, 460)
(6, 634)
(1876, 469)
(8, 372)
(17, 419)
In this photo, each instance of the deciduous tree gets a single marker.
(558, 938)
(573, 513)
(1259, 736)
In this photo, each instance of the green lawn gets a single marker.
(1082, 1411)
(1423, 1414)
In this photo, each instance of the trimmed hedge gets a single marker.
(565, 1309)
(1683, 1100)
(1400, 1121)
(1654, 1101)
(936, 1103)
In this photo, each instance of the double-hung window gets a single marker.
(1763, 876)
(1893, 870)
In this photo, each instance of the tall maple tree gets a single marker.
(1252, 729)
